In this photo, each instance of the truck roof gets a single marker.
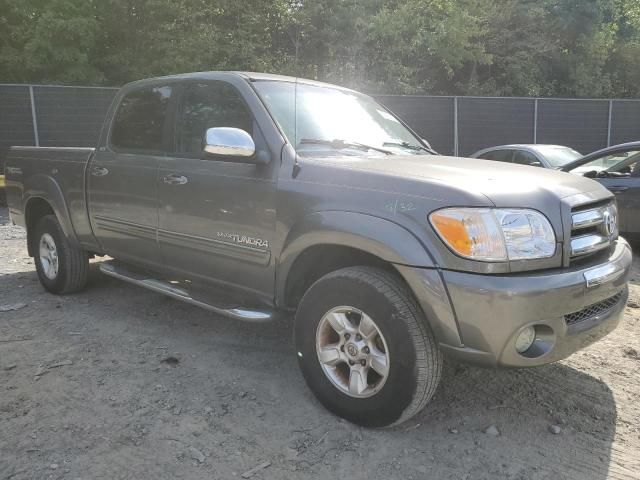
(249, 76)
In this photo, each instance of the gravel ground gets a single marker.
(121, 383)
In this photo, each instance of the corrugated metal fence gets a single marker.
(463, 125)
(52, 116)
(72, 116)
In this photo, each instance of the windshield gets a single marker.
(558, 156)
(620, 163)
(331, 121)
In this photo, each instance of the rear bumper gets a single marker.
(490, 311)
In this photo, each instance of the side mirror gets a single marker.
(535, 163)
(229, 142)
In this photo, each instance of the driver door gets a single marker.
(216, 216)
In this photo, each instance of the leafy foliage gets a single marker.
(483, 47)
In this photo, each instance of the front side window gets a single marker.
(326, 121)
(620, 163)
(140, 119)
(525, 158)
(209, 105)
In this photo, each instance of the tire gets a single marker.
(413, 360)
(72, 262)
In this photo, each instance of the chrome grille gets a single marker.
(593, 310)
(593, 228)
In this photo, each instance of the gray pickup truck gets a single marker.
(254, 195)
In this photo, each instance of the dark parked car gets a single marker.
(618, 169)
(547, 156)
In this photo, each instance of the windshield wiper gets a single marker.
(408, 146)
(339, 144)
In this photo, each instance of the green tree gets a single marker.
(419, 45)
(483, 47)
(141, 38)
(623, 63)
(48, 41)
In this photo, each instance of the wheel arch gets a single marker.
(43, 196)
(326, 241)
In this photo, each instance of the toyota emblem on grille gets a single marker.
(609, 221)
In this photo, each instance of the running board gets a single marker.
(239, 313)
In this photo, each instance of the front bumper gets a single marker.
(491, 310)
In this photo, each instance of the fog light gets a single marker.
(525, 339)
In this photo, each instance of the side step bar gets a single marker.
(118, 271)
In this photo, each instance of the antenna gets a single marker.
(296, 164)
(296, 44)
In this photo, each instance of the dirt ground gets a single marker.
(121, 383)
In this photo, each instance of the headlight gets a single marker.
(495, 234)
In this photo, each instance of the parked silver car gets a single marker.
(547, 156)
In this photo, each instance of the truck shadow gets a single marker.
(556, 418)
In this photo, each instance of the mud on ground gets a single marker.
(121, 383)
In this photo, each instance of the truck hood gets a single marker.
(503, 184)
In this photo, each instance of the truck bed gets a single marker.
(56, 174)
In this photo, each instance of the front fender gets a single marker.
(44, 187)
(386, 240)
(377, 236)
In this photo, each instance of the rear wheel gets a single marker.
(364, 347)
(61, 267)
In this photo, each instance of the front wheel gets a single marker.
(364, 347)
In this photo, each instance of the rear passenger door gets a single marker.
(122, 176)
(216, 216)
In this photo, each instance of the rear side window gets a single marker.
(498, 155)
(140, 119)
(209, 105)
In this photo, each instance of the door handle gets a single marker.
(618, 189)
(174, 179)
(99, 171)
